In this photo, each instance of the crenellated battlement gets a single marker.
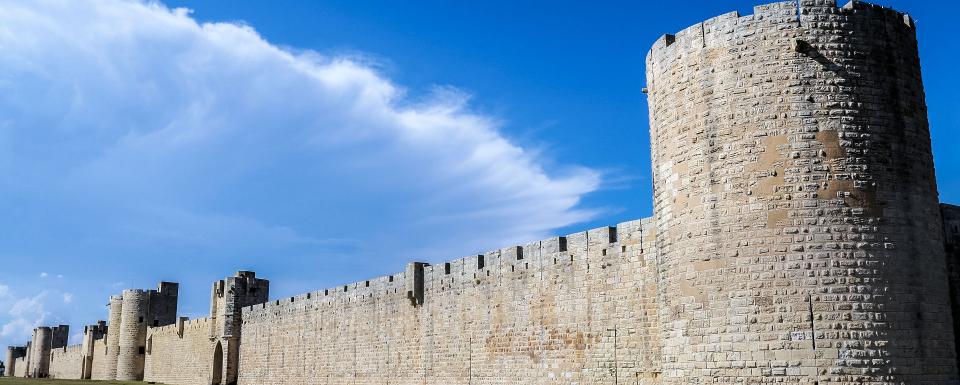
(471, 270)
(789, 18)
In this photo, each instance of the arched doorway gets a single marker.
(217, 365)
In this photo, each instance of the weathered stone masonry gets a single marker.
(797, 238)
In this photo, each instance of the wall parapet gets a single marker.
(461, 270)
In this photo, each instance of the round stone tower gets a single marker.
(133, 333)
(40, 353)
(10, 361)
(795, 201)
(113, 337)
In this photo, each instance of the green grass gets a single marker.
(32, 381)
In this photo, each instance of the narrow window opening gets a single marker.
(140, 320)
(141, 350)
(623, 249)
(344, 288)
(391, 278)
(511, 268)
(563, 244)
(526, 265)
(519, 253)
(367, 283)
(308, 295)
(603, 252)
(291, 299)
(480, 262)
(446, 268)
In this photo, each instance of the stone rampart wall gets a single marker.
(67, 362)
(20, 367)
(104, 364)
(564, 310)
(184, 359)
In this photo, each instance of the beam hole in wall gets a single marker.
(623, 249)
(603, 252)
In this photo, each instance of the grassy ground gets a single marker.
(31, 381)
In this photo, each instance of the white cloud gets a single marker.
(43, 275)
(202, 133)
(67, 297)
(22, 316)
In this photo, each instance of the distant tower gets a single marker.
(228, 297)
(139, 309)
(113, 337)
(40, 352)
(13, 353)
(798, 228)
(91, 333)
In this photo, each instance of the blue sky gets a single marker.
(320, 143)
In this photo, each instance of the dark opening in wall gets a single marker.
(141, 350)
(446, 268)
(391, 278)
(326, 292)
(480, 262)
(291, 299)
(366, 284)
(344, 288)
(140, 320)
(563, 243)
(253, 290)
(519, 253)
(156, 323)
(623, 249)
(603, 252)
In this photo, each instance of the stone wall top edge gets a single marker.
(359, 289)
(188, 324)
(68, 349)
(769, 11)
